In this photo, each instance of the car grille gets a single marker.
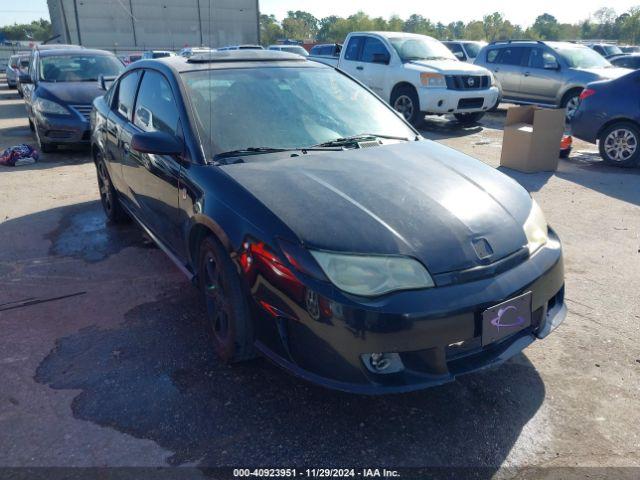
(84, 110)
(59, 134)
(467, 82)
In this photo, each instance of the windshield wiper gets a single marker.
(356, 138)
(261, 150)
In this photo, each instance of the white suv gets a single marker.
(417, 75)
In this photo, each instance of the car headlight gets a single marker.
(494, 82)
(373, 275)
(48, 106)
(535, 228)
(433, 80)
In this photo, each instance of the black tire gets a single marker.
(228, 313)
(619, 144)
(468, 118)
(108, 195)
(404, 100)
(565, 153)
(570, 103)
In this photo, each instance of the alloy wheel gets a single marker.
(218, 306)
(104, 185)
(572, 106)
(404, 105)
(620, 144)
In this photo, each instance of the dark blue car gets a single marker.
(322, 229)
(609, 114)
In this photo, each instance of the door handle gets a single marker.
(496, 70)
(359, 67)
(526, 74)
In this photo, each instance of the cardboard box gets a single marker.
(532, 136)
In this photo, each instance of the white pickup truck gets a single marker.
(417, 75)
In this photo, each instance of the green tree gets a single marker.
(38, 30)
(270, 29)
(492, 26)
(300, 25)
(475, 31)
(546, 27)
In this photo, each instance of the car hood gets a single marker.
(417, 198)
(448, 67)
(606, 73)
(72, 93)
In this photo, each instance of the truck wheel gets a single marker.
(468, 118)
(619, 145)
(226, 305)
(405, 101)
(108, 195)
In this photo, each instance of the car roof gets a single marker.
(67, 51)
(228, 59)
(386, 34)
(53, 46)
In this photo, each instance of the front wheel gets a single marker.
(405, 101)
(468, 118)
(618, 145)
(226, 305)
(570, 103)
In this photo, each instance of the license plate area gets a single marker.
(506, 318)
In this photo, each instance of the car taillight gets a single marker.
(586, 93)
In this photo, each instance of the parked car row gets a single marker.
(397, 285)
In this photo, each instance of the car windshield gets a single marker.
(78, 67)
(284, 108)
(582, 57)
(473, 48)
(611, 50)
(420, 48)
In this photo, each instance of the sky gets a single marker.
(521, 12)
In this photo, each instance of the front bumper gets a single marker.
(436, 332)
(63, 129)
(443, 100)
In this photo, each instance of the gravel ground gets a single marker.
(104, 360)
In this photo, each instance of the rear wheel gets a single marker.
(405, 101)
(468, 118)
(108, 195)
(226, 305)
(619, 145)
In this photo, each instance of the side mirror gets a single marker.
(24, 78)
(157, 143)
(551, 66)
(381, 58)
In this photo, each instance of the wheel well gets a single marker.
(613, 122)
(198, 233)
(569, 93)
(399, 86)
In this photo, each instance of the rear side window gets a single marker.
(156, 107)
(14, 62)
(511, 56)
(456, 49)
(373, 46)
(353, 48)
(127, 93)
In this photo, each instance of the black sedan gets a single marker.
(323, 230)
(608, 114)
(62, 84)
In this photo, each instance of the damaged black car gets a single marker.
(324, 232)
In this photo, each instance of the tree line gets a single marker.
(604, 24)
(38, 30)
